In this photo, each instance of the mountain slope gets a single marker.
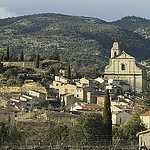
(136, 24)
(82, 40)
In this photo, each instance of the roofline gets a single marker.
(143, 132)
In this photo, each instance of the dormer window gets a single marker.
(122, 66)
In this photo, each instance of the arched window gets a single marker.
(115, 54)
(122, 66)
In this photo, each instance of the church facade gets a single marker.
(122, 66)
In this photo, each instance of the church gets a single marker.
(123, 66)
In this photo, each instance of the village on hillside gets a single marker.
(59, 98)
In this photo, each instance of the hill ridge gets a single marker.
(82, 40)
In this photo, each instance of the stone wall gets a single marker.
(6, 89)
(20, 64)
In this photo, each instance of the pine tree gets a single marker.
(68, 72)
(21, 56)
(107, 117)
(37, 61)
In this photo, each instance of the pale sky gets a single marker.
(108, 10)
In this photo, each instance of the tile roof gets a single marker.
(93, 106)
(147, 113)
(143, 132)
(115, 112)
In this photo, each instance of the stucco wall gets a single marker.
(144, 139)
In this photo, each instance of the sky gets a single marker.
(108, 10)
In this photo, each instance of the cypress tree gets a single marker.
(6, 56)
(1, 57)
(37, 61)
(21, 56)
(107, 117)
(68, 72)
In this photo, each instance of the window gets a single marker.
(66, 90)
(77, 95)
(70, 124)
(115, 54)
(122, 66)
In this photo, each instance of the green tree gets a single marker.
(1, 57)
(68, 72)
(30, 56)
(3, 131)
(6, 55)
(60, 132)
(107, 116)
(117, 132)
(13, 57)
(21, 56)
(57, 134)
(37, 61)
(51, 70)
(54, 56)
(10, 133)
(10, 72)
(132, 127)
(145, 103)
(89, 128)
(11, 82)
(1, 66)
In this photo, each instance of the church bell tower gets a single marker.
(115, 50)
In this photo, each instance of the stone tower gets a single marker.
(115, 51)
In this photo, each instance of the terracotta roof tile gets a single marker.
(115, 112)
(147, 113)
(93, 106)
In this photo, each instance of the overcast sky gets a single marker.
(108, 10)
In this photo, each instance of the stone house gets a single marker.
(61, 118)
(120, 84)
(146, 119)
(62, 79)
(91, 97)
(86, 82)
(87, 108)
(78, 92)
(101, 98)
(41, 96)
(144, 139)
(67, 99)
(27, 102)
(115, 108)
(55, 85)
(119, 102)
(76, 106)
(63, 72)
(120, 117)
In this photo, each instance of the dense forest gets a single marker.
(84, 41)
